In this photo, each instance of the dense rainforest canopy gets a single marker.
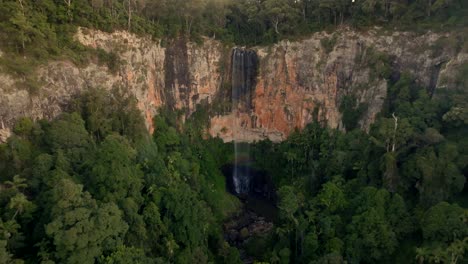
(380, 197)
(42, 27)
(92, 186)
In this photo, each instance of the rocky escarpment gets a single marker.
(296, 82)
(306, 80)
(179, 74)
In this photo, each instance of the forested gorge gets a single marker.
(93, 186)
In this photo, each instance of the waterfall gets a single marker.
(243, 80)
(242, 179)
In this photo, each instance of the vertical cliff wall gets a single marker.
(279, 87)
(306, 80)
(179, 75)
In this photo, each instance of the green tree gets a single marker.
(114, 176)
(5, 256)
(438, 176)
(128, 255)
(379, 221)
(68, 134)
(444, 222)
(279, 12)
(289, 203)
(112, 171)
(17, 184)
(81, 230)
(441, 253)
(156, 230)
(19, 204)
(107, 112)
(332, 197)
(371, 237)
(445, 234)
(187, 217)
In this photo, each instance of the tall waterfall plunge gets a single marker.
(243, 79)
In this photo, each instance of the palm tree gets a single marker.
(17, 183)
(18, 202)
(8, 228)
(422, 254)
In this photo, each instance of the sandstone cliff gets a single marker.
(296, 80)
(180, 75)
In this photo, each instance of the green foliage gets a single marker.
(111, 59)
(91, 186)
(5, 256)
(80, 229)
(23, 127)
(125, 255)
(445, 234)
(166, 136)
(331, 197)
(444, 222)
(357, 197)
(328, 44)
(44, 29)
(68, 135)
(113, 174)
(23, 70)
(351, 111)
(439, 176)
(34, 32)
(289, 202)
(379, 220)
(104, 114)
(457, 115)
(378, 62)
(191, 217)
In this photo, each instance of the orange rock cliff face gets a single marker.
(295, 82)
(303, 81)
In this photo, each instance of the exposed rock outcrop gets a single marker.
(181, 76)
(244, 226)
(303, 80)
(296, 82)
(4, 135)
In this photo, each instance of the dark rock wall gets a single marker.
(244, 74)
